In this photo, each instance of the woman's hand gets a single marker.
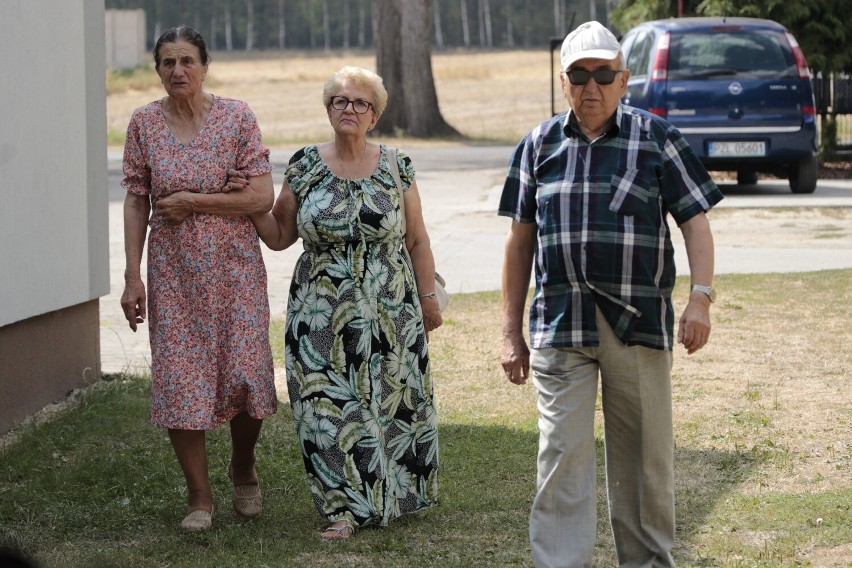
(236, 181)
(133, 302)
(174, 208)
(432, 318)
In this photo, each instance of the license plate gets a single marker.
(722, 149)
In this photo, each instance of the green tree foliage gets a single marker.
(632, 12)
(821, 27)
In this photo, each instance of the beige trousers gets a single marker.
(639, 448)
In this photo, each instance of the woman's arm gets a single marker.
(133, 301)
(420, 249)
(277, 228)
(241, 197)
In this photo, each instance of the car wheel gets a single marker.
(803, 178)
(746, 177)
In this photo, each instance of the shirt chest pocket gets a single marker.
(634, 194)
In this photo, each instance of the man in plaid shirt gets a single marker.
(588, 193)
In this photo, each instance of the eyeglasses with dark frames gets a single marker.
(358, 105)
(602, 76)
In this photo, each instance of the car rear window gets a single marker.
(757, 54)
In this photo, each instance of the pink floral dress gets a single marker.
(208, 310)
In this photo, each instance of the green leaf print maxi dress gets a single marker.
(357, 361)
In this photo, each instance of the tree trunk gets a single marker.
(346, 17)
(465, 24)
(362, 26)
(312, 36)
(418, 84)
(213, 28)
(326, 26)
(486, 15)
(158, 19)
(282, 36)
(229, 33)
(480, 19)
(249, 25)
(510, 32)
(404, 60)
(558, 18)
(386, 37)
(439, 34)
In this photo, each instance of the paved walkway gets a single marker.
(460, 187)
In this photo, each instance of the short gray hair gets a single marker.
(622, 64)
(361, 78)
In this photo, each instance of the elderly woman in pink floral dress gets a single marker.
(206, 302)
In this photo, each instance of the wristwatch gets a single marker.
(709, 290)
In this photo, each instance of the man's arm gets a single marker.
(517, 266)
(694, 325)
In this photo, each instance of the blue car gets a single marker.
(739, 90)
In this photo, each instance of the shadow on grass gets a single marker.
(702, 479)
(99, 487)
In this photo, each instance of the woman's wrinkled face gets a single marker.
(348, 120)
(181, 70)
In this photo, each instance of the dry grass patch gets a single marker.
(494, 95)
(772, 386)
(763, 416)
(770, 389)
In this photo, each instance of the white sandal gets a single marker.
(197, 520)
(343, 532)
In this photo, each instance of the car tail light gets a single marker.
(809, 110)
(799, 56)
(661, 60)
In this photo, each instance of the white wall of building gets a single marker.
(53, 181)
(125, 38)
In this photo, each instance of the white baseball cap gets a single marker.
(589, 41)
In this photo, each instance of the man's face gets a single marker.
(593, 101)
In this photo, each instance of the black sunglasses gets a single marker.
(602, 76)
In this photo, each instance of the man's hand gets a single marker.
(515, 358)
(694, 325)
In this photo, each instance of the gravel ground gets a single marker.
(836, 170)
(840, 169)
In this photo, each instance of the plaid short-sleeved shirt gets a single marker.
(600, 207)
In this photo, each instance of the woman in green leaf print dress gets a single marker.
(357, 319)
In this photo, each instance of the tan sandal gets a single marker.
(246, 501)
(197, 520)
(341, 533)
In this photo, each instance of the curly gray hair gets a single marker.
(361, 78)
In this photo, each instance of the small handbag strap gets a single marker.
(394, 167)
